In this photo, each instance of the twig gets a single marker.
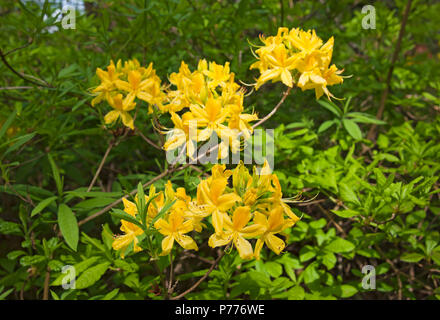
(110, 146)
(111, 205)
(22, 75)
(19, 48)
(170, 280)
(17, 88)
(46, 285)
(372, 132)
(270, 114)
(204, 276)
(331, 219)
(192, 255)
(139, 133)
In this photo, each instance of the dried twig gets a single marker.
(204, 276)
(372, 133)
(110, 146)
(140, 134)
(22, 75)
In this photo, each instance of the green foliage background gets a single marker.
(379, 207)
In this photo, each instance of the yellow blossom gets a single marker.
(121, 107)
(273, 224)
(237, 231)
(174, 230)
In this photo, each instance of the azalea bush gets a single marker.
(128, 150)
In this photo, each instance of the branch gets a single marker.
(139, 133)
(372, 133)
(110, 146)
(115, 203)
(16, 88)
(22, 75)
(204, 276)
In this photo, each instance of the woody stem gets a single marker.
(204, 276)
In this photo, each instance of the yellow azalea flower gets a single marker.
(131, 231)
(297, 57)
(129, 65)
(211, 195)
(241, 179)
(277, 199)
(211, 115)
(191, 88)
(121, 108)
(280, 65)
(238, 120)
(237, 231)
(155, 205)
(190, 209)
(304, 41)
(174, 230)
(181, 134)
(108, 79)
(218, 74)
(272, 225)
(315, 73)
(136, 87)
(219, 171)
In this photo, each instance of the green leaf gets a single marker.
(111, 294)
(411, 257)
(164, 210)
(348, 194)
(91, 275)
(56, 174)
(306, 253)
(125, 216)
(15, 254)
(330, 106)
(329, 260)
(290, 264)
(311, 274)
(7, 123)
(68, 226)
(6, 293)
(348, 291)
(274, 269)
(318, 224)
(78, 267)
(340, 245)
(348, 213)
(31, 260)
(43, 204)
(352, 128)
(365, 118)
(18, 142)
(94, 203)
(435, 255)
(325, 125)
(68, 71)
(7, 227)
(296, 293)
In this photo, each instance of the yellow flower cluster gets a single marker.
(297, 57)
(212, 102)
(121, 84)
(252, 208)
